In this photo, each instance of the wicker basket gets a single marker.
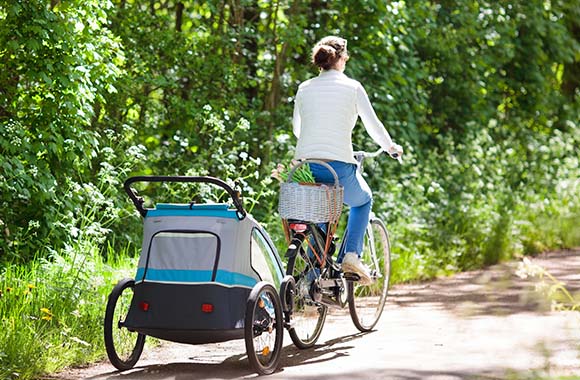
(312, 202)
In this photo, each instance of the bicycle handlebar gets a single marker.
(361, 155)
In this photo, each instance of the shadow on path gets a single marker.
(496, 290)
(329, 350)
(237, 366)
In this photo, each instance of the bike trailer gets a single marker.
(198, 265)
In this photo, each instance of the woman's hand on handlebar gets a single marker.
(396, 152)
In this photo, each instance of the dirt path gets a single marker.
(478, 325)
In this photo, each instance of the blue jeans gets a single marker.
(357, 195)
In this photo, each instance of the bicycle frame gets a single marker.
(318, 280)
(317, 239)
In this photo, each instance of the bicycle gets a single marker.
(318, 280)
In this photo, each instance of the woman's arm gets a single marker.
(296, 118)
(370, 120)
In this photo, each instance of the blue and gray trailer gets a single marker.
(198, 265)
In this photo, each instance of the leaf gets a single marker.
(32, 44)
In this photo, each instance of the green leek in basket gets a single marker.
(301, 175)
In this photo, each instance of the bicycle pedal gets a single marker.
(351, 276)
(335, 274)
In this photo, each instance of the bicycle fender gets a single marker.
(294, 246)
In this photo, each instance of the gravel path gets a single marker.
(487, 324)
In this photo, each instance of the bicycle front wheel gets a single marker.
(307, 316)
(366, 302)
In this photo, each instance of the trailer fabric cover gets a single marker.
(192, 257)
(180, 248)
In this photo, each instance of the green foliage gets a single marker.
(93, 90)
(57, 64)
(484, 96)
(485, 204)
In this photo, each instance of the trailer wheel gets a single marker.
(124, 347)
(264, 328)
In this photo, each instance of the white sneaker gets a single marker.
(352, 264)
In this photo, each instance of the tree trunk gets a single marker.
(275, 91)
(250, 47)
(237, 23)
(179, 16)
(571, 77)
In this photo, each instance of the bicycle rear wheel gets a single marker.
(366, 302)
(307, 316)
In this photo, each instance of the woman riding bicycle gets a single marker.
(325, 112)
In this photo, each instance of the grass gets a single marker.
(549, 286)
(51, 310)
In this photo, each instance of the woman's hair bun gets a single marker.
(328, 51)
(325, 57)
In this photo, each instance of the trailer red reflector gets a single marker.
(144, 306)
(298, 227)
(207, 307)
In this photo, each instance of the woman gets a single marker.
(325, 112)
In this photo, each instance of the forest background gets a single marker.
(484, 96)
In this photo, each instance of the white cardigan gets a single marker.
(325, 113)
